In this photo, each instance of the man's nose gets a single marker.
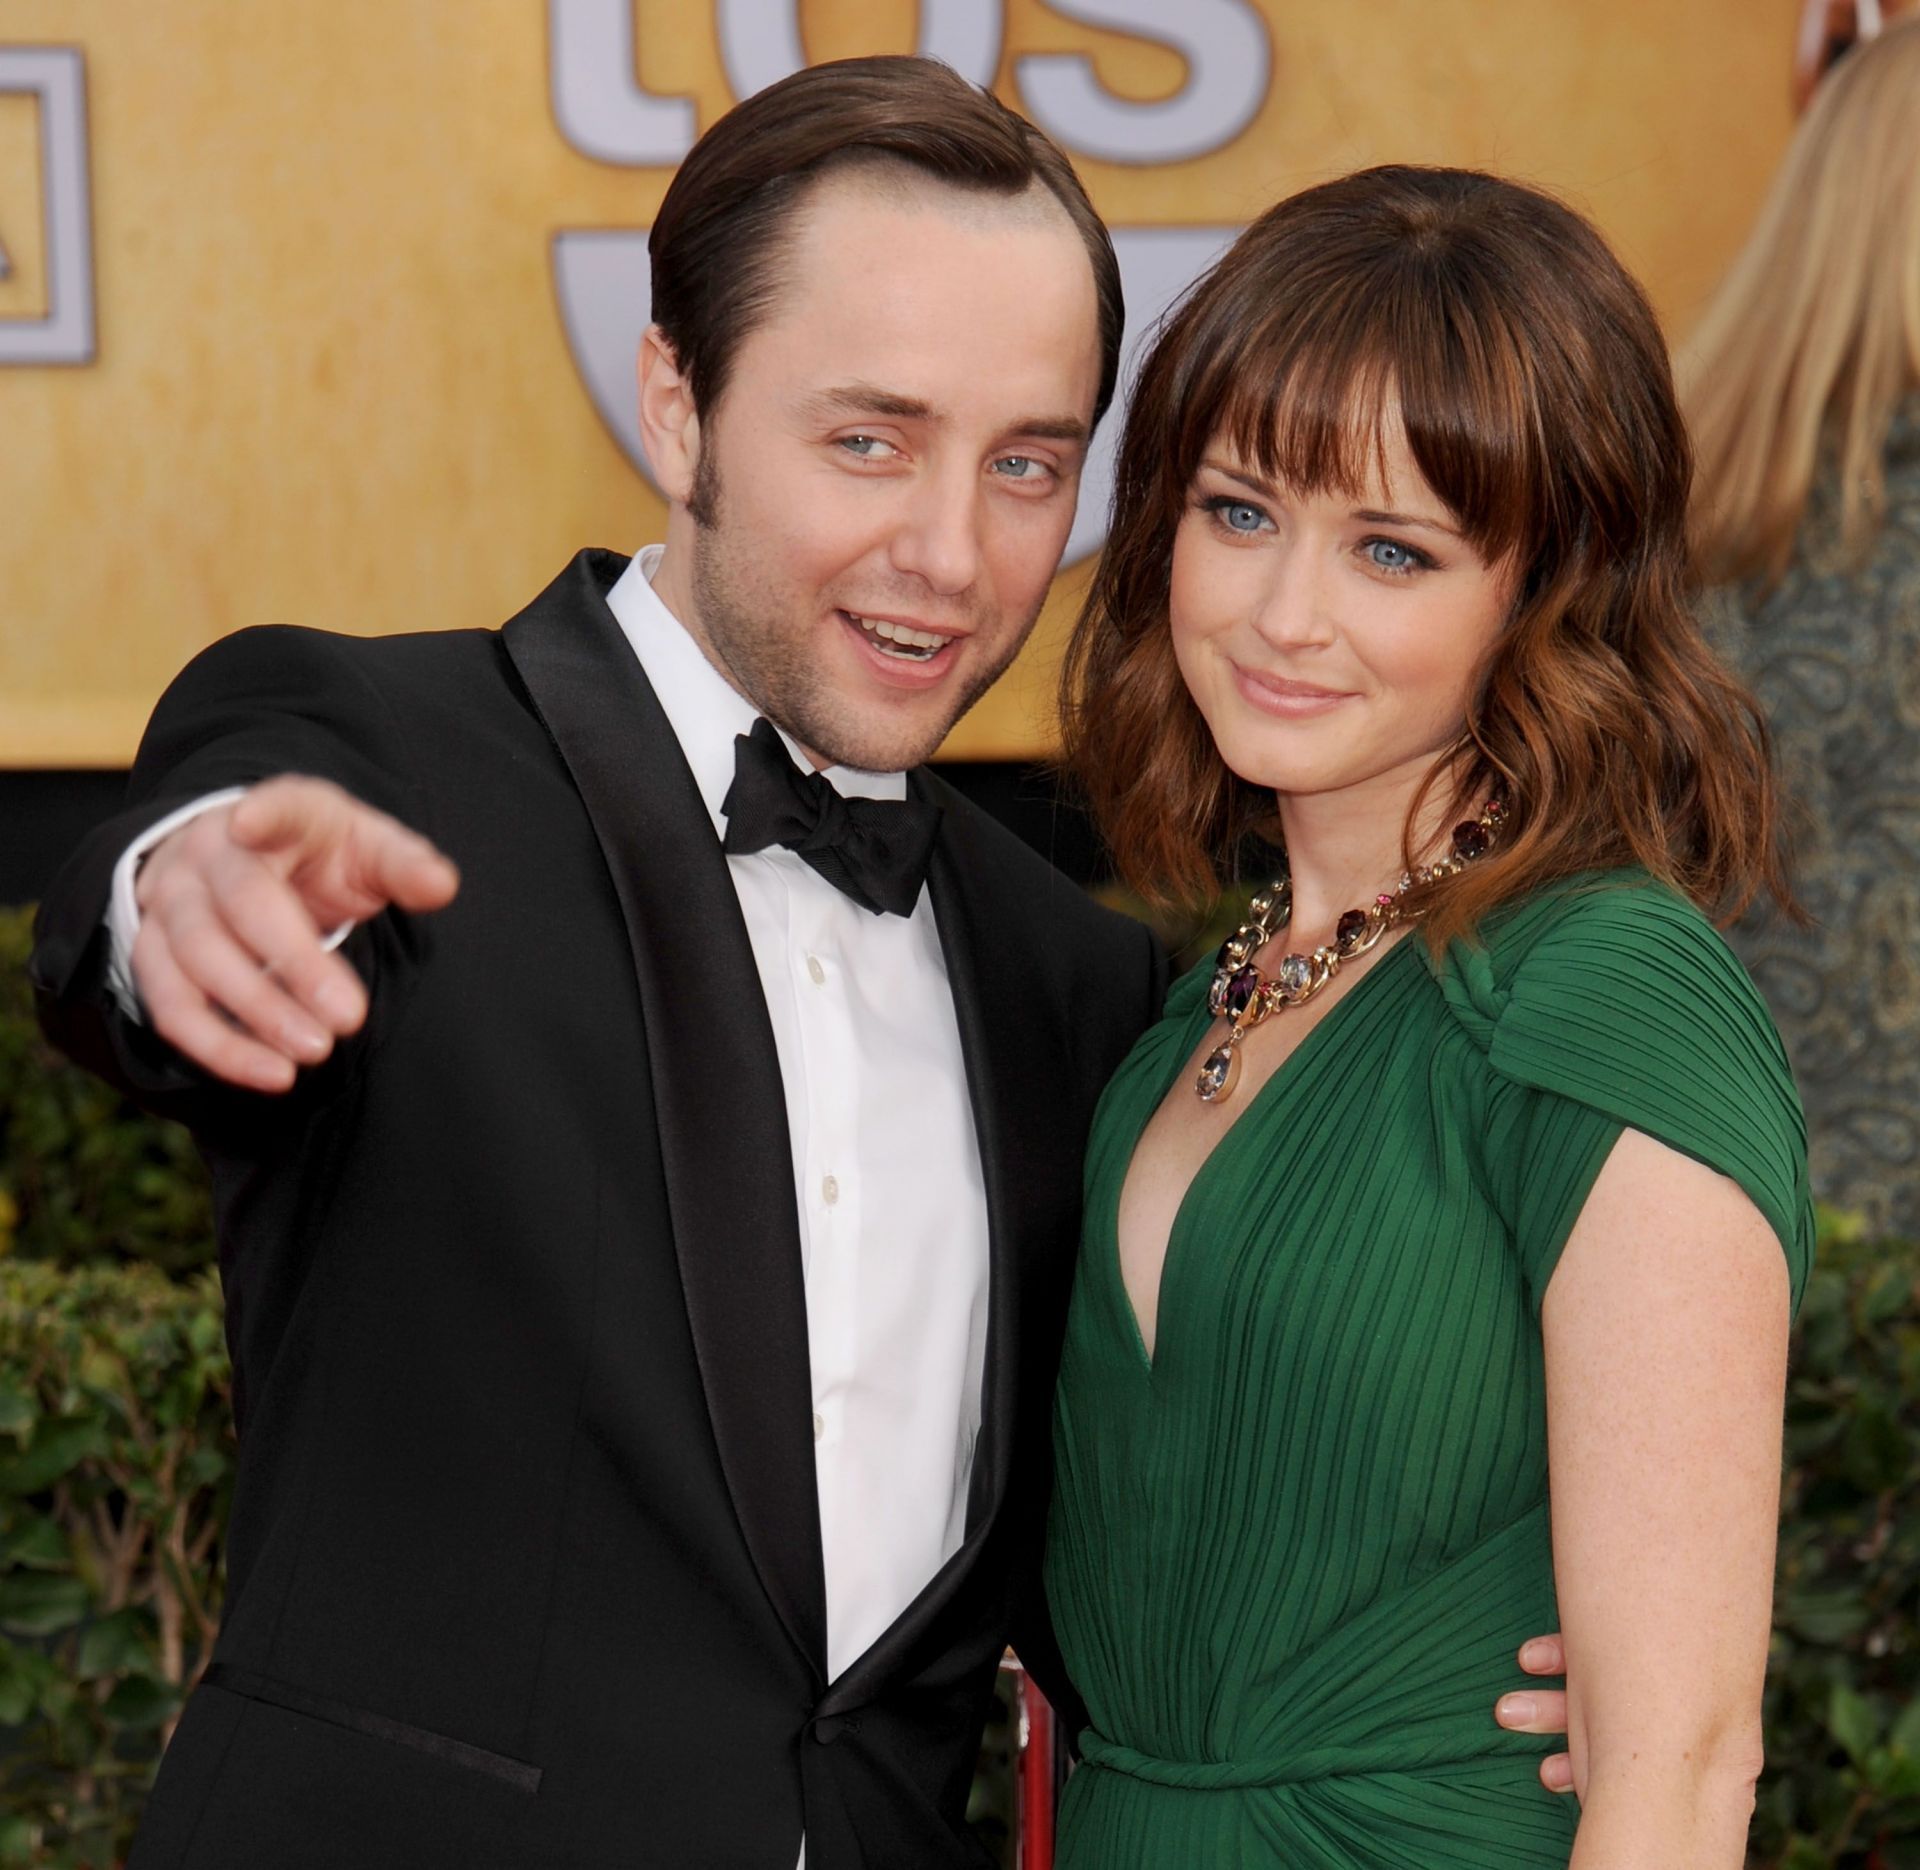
(938, 540)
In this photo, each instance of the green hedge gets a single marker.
(115, 1460)
(84, 1177)
(116, 1456)
(1843, 1688)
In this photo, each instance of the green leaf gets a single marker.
(1877, 1456)
(61, 1444)
(115, 1644)
(140, 1701)
(1904, 1735)
(39, 1603)
(17, 1689)
(1851, 1721)
(1824, 1617)
(1889, 1292)
(35, 1541)
(1838, 1227)
(1893, 1775)
(18, 1410)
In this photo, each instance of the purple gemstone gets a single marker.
(1233, 952)
(1239, 992)
(1470, 840)
(1349, 929)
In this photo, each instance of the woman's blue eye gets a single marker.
(1236, 515)
(863, 446)
(1395, 555)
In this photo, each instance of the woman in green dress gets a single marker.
(1473, 1169)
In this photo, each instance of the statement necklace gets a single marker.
(1244, 996)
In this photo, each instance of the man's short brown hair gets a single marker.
(717, 241)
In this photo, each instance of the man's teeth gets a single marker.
(919, 645)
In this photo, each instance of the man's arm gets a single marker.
(230, 960)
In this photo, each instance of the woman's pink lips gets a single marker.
(1275, 695)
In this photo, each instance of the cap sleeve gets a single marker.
(1616, 1005)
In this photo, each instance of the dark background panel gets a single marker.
(43, 815)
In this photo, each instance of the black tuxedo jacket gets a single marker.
(524, 1561)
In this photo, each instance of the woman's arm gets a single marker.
(1666, 1335)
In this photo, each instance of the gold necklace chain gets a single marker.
(1246, 998)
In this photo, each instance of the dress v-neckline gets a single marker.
(1285, 1072)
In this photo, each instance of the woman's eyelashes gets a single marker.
(1239, 518)
(1395, 558)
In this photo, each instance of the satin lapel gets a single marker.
(999, 1009)
(716, 1076)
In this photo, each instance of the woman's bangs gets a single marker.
(1317, 409)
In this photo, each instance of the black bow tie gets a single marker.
(873, 850)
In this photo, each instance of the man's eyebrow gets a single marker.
(1050, 428)
(869, 399)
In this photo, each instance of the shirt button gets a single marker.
(830, 1191)
(815, 972)
(819, 1425)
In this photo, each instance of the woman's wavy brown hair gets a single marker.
(1529, 375)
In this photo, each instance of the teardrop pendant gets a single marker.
(1219, 1071)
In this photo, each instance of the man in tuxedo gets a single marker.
(646, 1245)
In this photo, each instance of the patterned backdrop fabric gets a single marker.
(1834, 654)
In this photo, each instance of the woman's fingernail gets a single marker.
(1516, 1710)
(1535, 1655)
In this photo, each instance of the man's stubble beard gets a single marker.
(776, 672)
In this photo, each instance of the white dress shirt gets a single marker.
(886, 1163)
(886, 1168)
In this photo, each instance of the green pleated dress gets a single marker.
(1291, 1557)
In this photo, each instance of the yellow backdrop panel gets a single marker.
(331, 384)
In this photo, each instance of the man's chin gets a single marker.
(873, 753)
(851, 731)
(855, 722)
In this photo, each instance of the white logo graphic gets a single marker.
(601, 275)
(56, 75)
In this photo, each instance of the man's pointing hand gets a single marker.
(232, 958)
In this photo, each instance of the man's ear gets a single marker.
(669, 423)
